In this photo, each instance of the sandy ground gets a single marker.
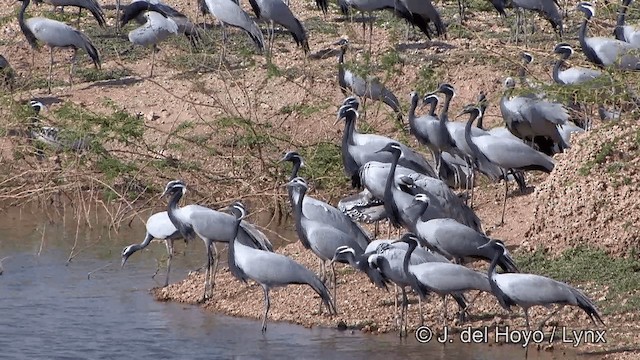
(178, 94)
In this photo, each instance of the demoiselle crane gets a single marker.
(92, 5)
(277, 12)
(528, 290)
(627, 33)
(268, 268)
(56, 34)
(211, 226)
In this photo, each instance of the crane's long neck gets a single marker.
(412, 113)
(480, 122)
(233, 265)
(432, 109)
(467, 137)
(31, 38)
(619, 31)
(556, 68)
(389, 203)
(444, 115)
(341, 71)
(415, 284)
(299, 193)
(172, 209)
(504, 300)
(296, 168)
(351, 167)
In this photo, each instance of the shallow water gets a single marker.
(51, 309)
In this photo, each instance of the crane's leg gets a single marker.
(207, 272)
(461, 10)
(74, 60)
(403, 313)
(267, 305)
(506, 191)
(50, 66)
(335, 286)
(420, 311)
(224, 42)
(79, 15)
(169, 244)
(549, 317)
(444, 311)
(215, 258)
(154, 48)
(526, 318)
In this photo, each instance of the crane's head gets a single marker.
(446, 89)
(343, 254)
(472, 110)
(421, 198)
(293, 156)
(238, 210)
(343, 42)
(351, 101)
(430, 99)
(175, 186)
(346, 112)
(482, 100)
(527, 58)
(128, 251)
(136, 8)
(392, 147)
(408, 238)
(588, 9)
(37, 106)
(298, 183)
(509, 83)
(563, 49)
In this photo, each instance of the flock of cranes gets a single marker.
(442, 232)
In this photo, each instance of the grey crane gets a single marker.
(499, 5)
(528, 117)
(185, 26)
(320, 210)
(211, 226)
(159, 227)
(277, 12)
(345, 254)
(425, 10)
(456, 241)
(604, 51)
(444, 202)
(548, 9)
(399, 9)
(323, 228)
(7, 75)
(56, 34)
(370, 87)
(574, 75)
(53, 137)
(389, 260)
(527, 290)
(626, 33)
(230, 13)
(358, 149)
(158, 27)
(268, 268)
(442, 278)
(92, 5)
(505, 153)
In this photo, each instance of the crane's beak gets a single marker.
(124, 260)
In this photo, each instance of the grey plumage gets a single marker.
(444, 202)
(322, 228)
(269, 269)
(159, 227)
(351, 83)
(626, 33)
(389, 260)
(548, 9)
(363, 207)
(527, 290)
(55, 34)
(345, 254)
(92, 5)
(528, 117)
(230, 13)
(506, 153)
(157, 27)
(573, 75)
(604, 51)
(211, 226)
(277, 12)
(53, 137)
(358, 149)
(442, 278)
(426, 10)
(457, 241)
(185, 26)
